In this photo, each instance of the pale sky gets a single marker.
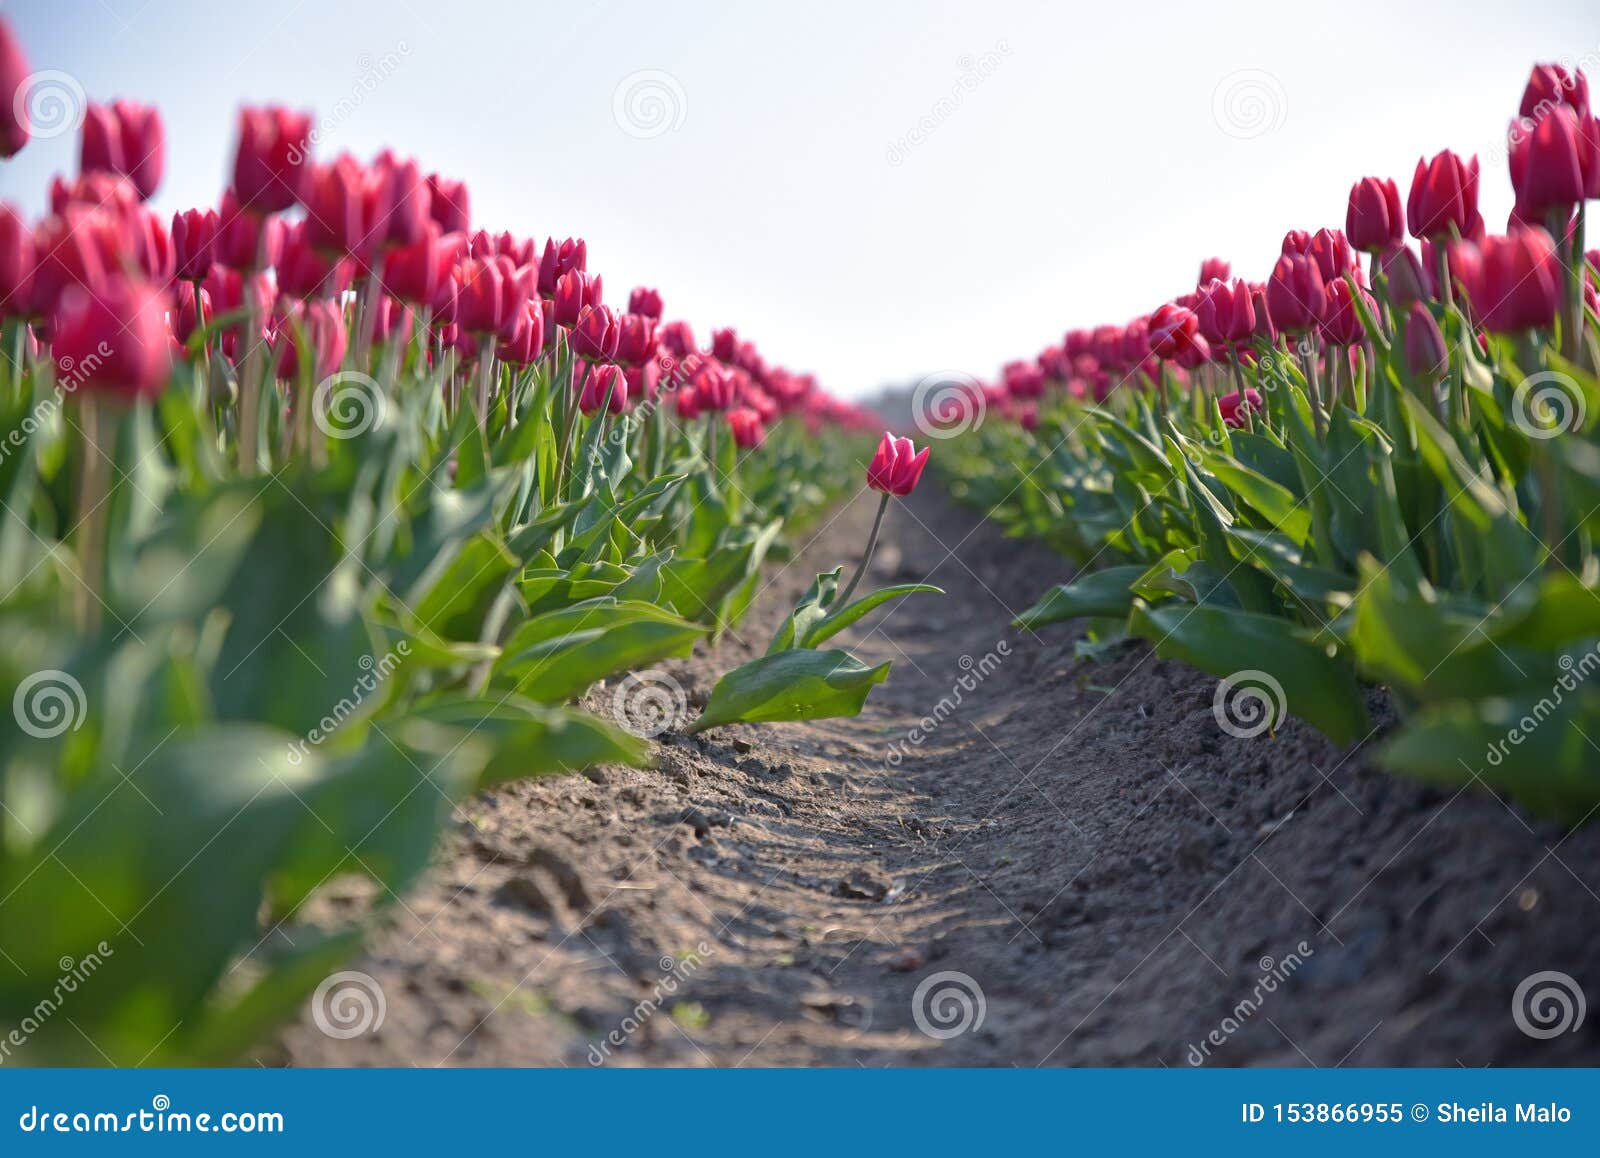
(871, 190)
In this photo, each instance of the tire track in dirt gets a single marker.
(1075, 840)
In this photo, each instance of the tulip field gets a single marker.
(345, 537)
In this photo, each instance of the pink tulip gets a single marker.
(897, 466)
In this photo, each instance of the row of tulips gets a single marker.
(1378, 466)
(320, 510)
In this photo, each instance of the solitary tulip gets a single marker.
(897, 466)
(1444, 197)
(272, 158)
(128, 139)
(1522, 280)
(1373, 221)
(14, 72)
(113, 340)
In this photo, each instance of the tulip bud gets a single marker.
(528, 341)
(1296, 296)
(596, 333)
(1549, 165)
(1373, 221)
(322, 324)
(404, 209)
(304, 271)
(1296, 241)
(575, 290)
(1172, 331)
(1340, 323)
(450, 204)
(194, 242)
(677, 339)
(1551, 85)
(557, 261)
(724, 345)
(1522, 282)
(127, 139)
(114, 339)
(1427, 356)
(1211, 269)
(606, 381)
(272, 158)
(1409, 280)
(1444, 197)
(247, 242)
(17, 260)
(14, 73)
(1234, 406)
(636, 342)
(646, 303)
(1226, 312)
(412, 272)
(748, 432)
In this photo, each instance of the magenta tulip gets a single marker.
(897, 466)
(1374, 221)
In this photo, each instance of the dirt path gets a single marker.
(1078, 841)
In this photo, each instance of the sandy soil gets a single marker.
(1068, 864)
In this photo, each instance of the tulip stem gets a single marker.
(562, 463)
(99, 443)
(866, 557)
(1314, 389)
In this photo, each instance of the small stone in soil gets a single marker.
(864, 884)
